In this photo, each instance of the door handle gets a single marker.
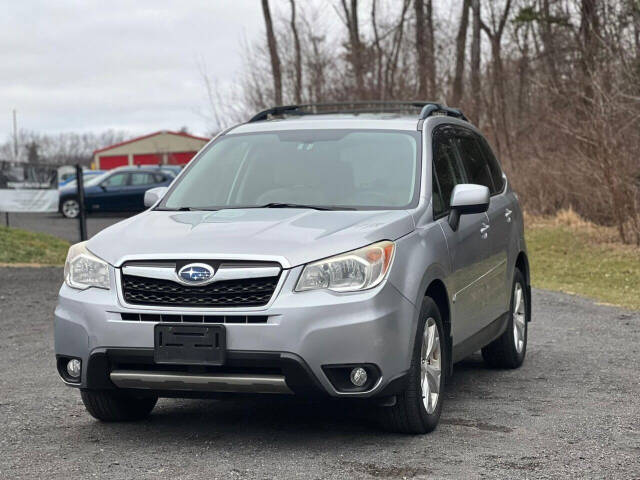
(507, 215)
(484, 229)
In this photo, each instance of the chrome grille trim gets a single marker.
(194, 309)
(223, 273)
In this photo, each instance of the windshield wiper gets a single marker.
(299, 205)
(242, 207)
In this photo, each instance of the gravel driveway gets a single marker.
(572, 410)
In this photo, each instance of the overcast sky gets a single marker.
(129, 65)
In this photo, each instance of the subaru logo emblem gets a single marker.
(196, 273)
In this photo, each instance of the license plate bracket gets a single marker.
(180, 344)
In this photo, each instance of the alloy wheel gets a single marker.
(519, 317)
(70, 209)
(430, 366)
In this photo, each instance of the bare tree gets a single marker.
(273, 53)
(634, 6)
(355, 44)
(549, 42)
(475, 61)
(431, 50)
(62, 148)
(421, 49)
(495, 32)
(297, 54)
(379, 52)
(394, 51)
(425, 47)
(589, 32)
(461, 48)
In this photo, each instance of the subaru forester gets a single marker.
(339, 250)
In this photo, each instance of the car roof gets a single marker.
(385, 121)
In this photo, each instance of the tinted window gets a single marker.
(341, 168)
(473, 161)
(447, 173)
(116, 180)
(494, 166)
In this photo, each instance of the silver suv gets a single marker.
(354, 251)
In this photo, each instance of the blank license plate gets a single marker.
(190, 345)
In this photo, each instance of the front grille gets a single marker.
(252, 292)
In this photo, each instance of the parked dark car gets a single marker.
(118, 190)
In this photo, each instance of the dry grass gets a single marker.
(573, 255)
(23, 247)
(569, 219)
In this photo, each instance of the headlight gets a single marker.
(83, 269)
(349, 272)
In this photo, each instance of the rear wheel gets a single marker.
(114, 406)
(417, 409)
(70, 208)
(508, 350)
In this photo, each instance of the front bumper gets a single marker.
(305, 332)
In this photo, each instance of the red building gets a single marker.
(160, 148)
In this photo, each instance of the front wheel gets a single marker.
(508, 350)
(417, 409)
(114, 406)
(70, 208)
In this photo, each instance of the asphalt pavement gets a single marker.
(572, 411)
(55, 224)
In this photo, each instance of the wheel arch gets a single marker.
(437, 291)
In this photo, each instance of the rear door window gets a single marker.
(139, 179)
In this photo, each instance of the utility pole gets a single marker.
(82, 218)
(15, 153)
(15, 136)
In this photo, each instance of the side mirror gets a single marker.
(467, 198)
(153, 195)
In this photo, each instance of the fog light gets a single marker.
(73, 368)
(358, 376)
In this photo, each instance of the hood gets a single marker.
(290, 236)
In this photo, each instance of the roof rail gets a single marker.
(274, 112)
(427, 109)
(437, 109)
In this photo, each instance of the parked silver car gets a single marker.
(315, 250)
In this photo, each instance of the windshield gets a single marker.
(351, 169)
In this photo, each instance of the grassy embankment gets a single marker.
(575, 256)
(20, 247)
(566, 254)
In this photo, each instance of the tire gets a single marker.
(409, 414)
(113, 406)
(70, 208)
(506, 351)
